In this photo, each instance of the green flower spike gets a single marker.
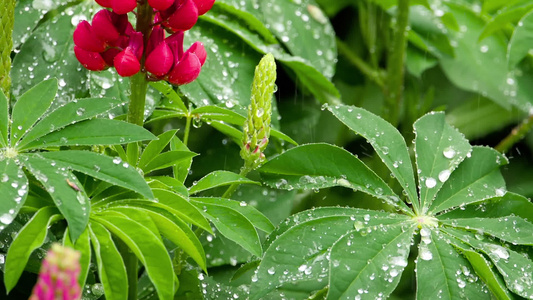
(256, 129)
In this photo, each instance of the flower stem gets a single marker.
(7, 19)
(366, 69)
(233, 187)
(187, 129)
(516, 135)
(138, 87)
(395, 65)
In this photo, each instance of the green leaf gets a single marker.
(315, 166)
(134, 214)
(235, 226)
(500, 21)
(481, 67)
(167, 159)
(508, 205)
(520, 43)
(111, 269)
(149, 250)
(155, 147)
(182, 208)
(14, 190)
(4, 119)
(93, 132)
(485, 271)
(372, 262)
(178, 232)
(443, 273)
(298, 27)
(249, 212)
(48, 53)
(29, 238)
(510, 228)
(102, 167)
(516, 269)
(228, 130)
(439, 148)
(211, 112)
(168, 183)
(70, 113)
(430, 30)
(72, 203)
(30, 107)
(83, 245)
(296, 252)
(180, 170)
(386, 141)
(168, 91)
(477, 178)
(219, 178)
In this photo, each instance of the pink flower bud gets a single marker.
(160, 4)
(86, 39)
(160, 60)
(108, 26)
(156, 37)
(204, 5)
(109, 55)
(184, 17)
(126, 63)
(90, 60)
(136, 43)
(105, 3)
(199, 49)
(123, 6)
(186, 70)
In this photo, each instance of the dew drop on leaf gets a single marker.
(431, 182)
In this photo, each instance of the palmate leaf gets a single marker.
(83, 245)
(296, 253)
(155, 147)
(315, 166)
(520, 42)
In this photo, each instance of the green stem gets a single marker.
(395, 65)
(7, 19)
(130, 261)
(138, 88)
(516, 135)
(366, 69)
(244, 171)
(187, 129)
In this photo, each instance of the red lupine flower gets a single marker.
(204, 5)
(160, 4)
(90, 60)
(85, 38)
(123, 6)
(127, 63)
(160, 60)
(58, 278)
(109, 26)
(186, 70)
(185, 15)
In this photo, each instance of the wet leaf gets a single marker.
(29, 238)
(369, 263)
(167, 159)
(149, 250)
(73, 204)
(31, 106)
(219, 178)
(93, 132)
(108, 169)
(477, 178)
(14, 190)
(111, 269)
(439, 148)
(386, 141)
(83, 245)
(155, 147)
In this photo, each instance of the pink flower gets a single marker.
(119, 6)
(204, 5)
(168, 61)
(160, 4)
(58, 278)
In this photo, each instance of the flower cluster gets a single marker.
(58, 278)
(110, 40)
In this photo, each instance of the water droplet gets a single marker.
(449, 152)
(7, 218)
(444, 175)
(431, 182)
(484, 48)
